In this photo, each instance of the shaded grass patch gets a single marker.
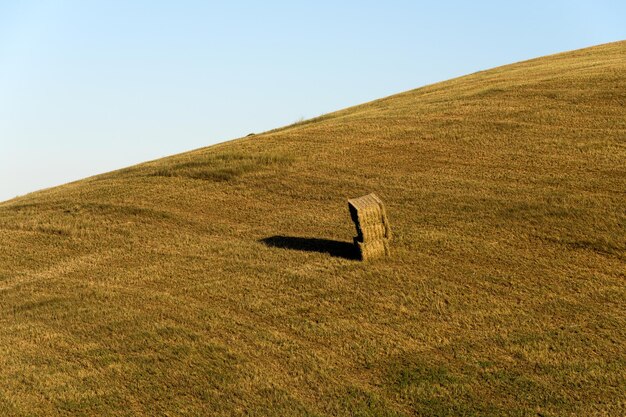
(223, 166)
(445, 388)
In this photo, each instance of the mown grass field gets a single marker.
(220, 281)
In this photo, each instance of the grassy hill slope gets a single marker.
(220, 281)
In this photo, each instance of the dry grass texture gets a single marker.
(215, 282)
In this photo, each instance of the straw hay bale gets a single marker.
(373, 250)
(372, 226)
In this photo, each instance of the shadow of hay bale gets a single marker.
(334, 248)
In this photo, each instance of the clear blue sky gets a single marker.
(91, 86)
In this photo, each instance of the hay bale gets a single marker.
(373, 250)
(371, 232)
(372, 226)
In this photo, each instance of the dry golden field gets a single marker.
(222, 281)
